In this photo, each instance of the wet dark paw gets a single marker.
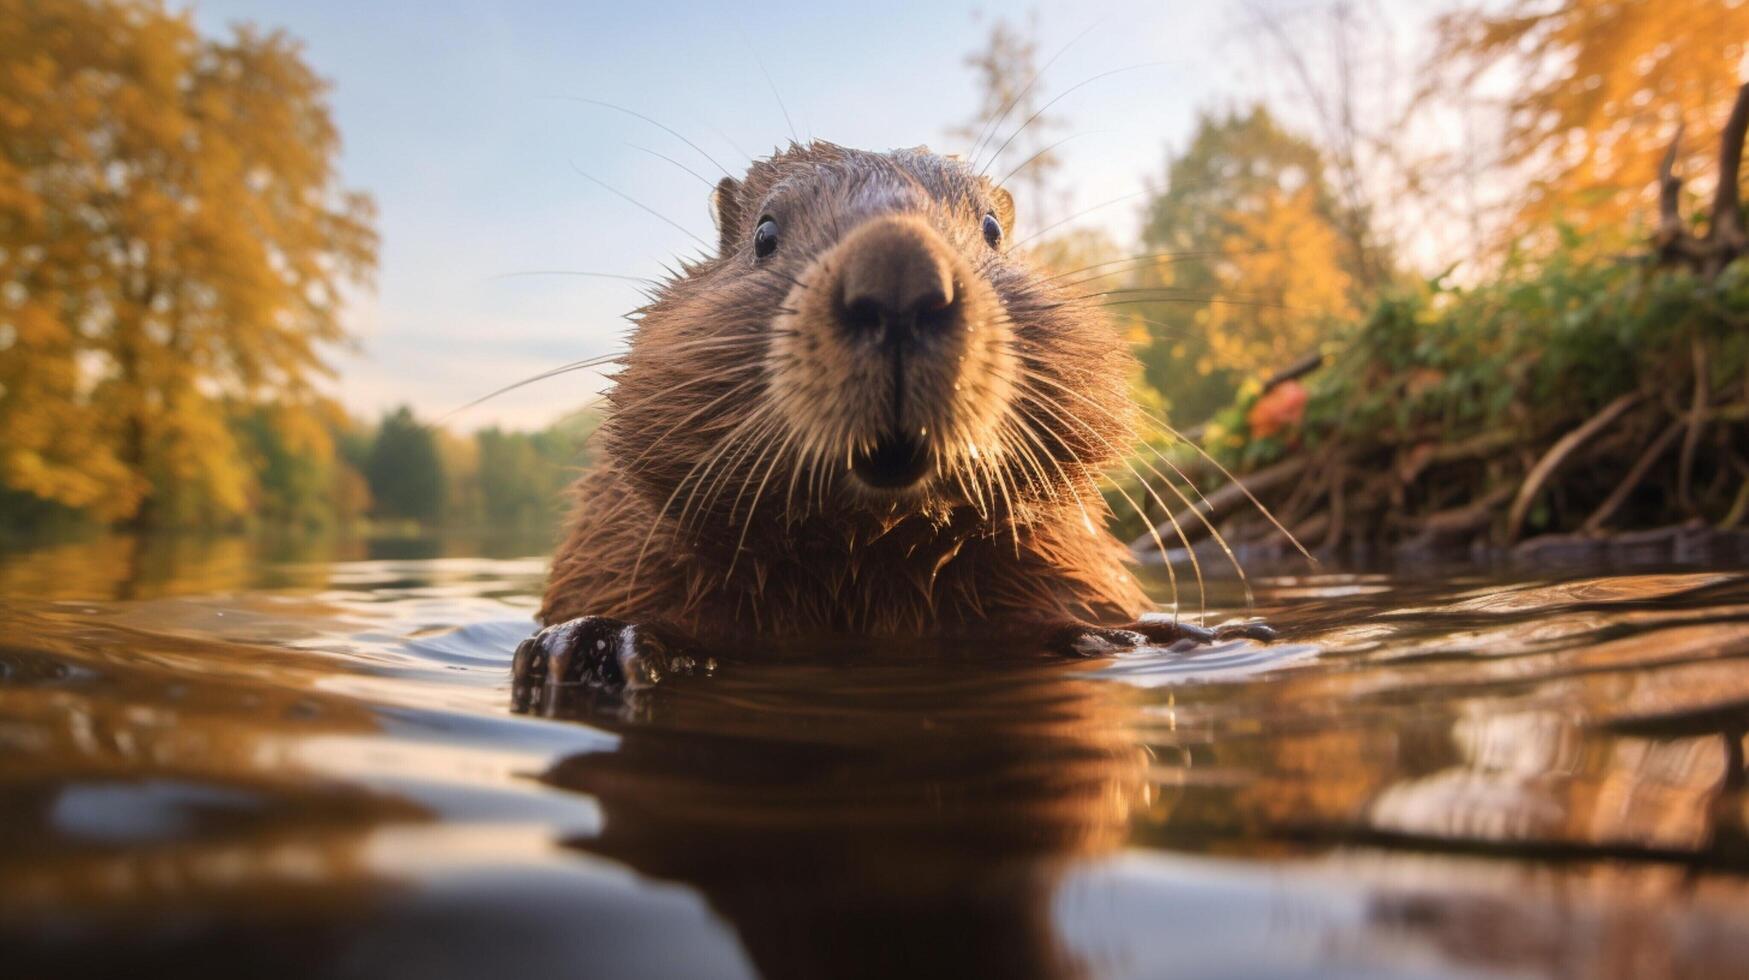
(1151, 630)
(1095, 641)
(583, 653)
(1160, 628)
(593, 657)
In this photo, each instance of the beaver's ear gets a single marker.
(726, 212)
(1004, 209)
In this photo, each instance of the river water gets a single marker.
(216, 758)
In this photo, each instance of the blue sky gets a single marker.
(454, 118)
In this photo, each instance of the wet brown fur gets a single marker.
(723, 503)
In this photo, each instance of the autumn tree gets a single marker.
(174, 248)
(301, 477)
(1248, 261)
(1010, 136)
(1601, 89)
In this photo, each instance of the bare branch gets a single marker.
(1726, 231)
(1669, 199)
(1557, 454)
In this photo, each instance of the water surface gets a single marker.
(219, 759)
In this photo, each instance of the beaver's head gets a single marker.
(866, 341)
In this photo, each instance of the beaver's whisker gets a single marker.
(999, 490)
(638, 115)
(717, 341)
(1060, 412)
(700, 498)
(701, 178)
(975, 491)
(544, 375)
(1195, 562)
(656, 521)
(1232, 479)
(755, 445)
(776, 273)
(1196, 510)
(1214, 300)
(646, 280)
(820, 449)
(709, 345)
(753, 507)
(1043, 307)
(1162, 258)
(652, 212)
(972, 492)
(767, 443)
(993, 125)
(1035, 473)
(1184, 539)
(1258, 296)
(1162, 329)
(1079, 214)
(792, 280)
(1171, 572)
(1031, 159)
(632, 464)
(753, 53)
(727, 373)
(1027, 430)
(732, 441)
(1051, 406)
(1060, 97)
(1219, 538)
(979, 473)
(740, 446)
(802, 459)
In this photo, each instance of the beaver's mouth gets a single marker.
(897, 461)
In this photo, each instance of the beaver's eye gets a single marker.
(992, 230)
(765, 238)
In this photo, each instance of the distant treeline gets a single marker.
(494, 478)
(398, 474)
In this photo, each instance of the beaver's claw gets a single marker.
(1151, 630)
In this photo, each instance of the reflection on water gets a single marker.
(271, 761)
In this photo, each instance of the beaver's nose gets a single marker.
(896, 281)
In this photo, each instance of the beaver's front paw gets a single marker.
(1155, 629)
(592, 655)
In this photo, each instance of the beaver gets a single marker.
(865, 416)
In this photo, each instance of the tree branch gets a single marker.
(1631, 482)
(1557, 454)
(1669, 200)
(1726, 231)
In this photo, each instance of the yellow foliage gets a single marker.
(1280, 282)
(1606, 83)
(173, 243)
